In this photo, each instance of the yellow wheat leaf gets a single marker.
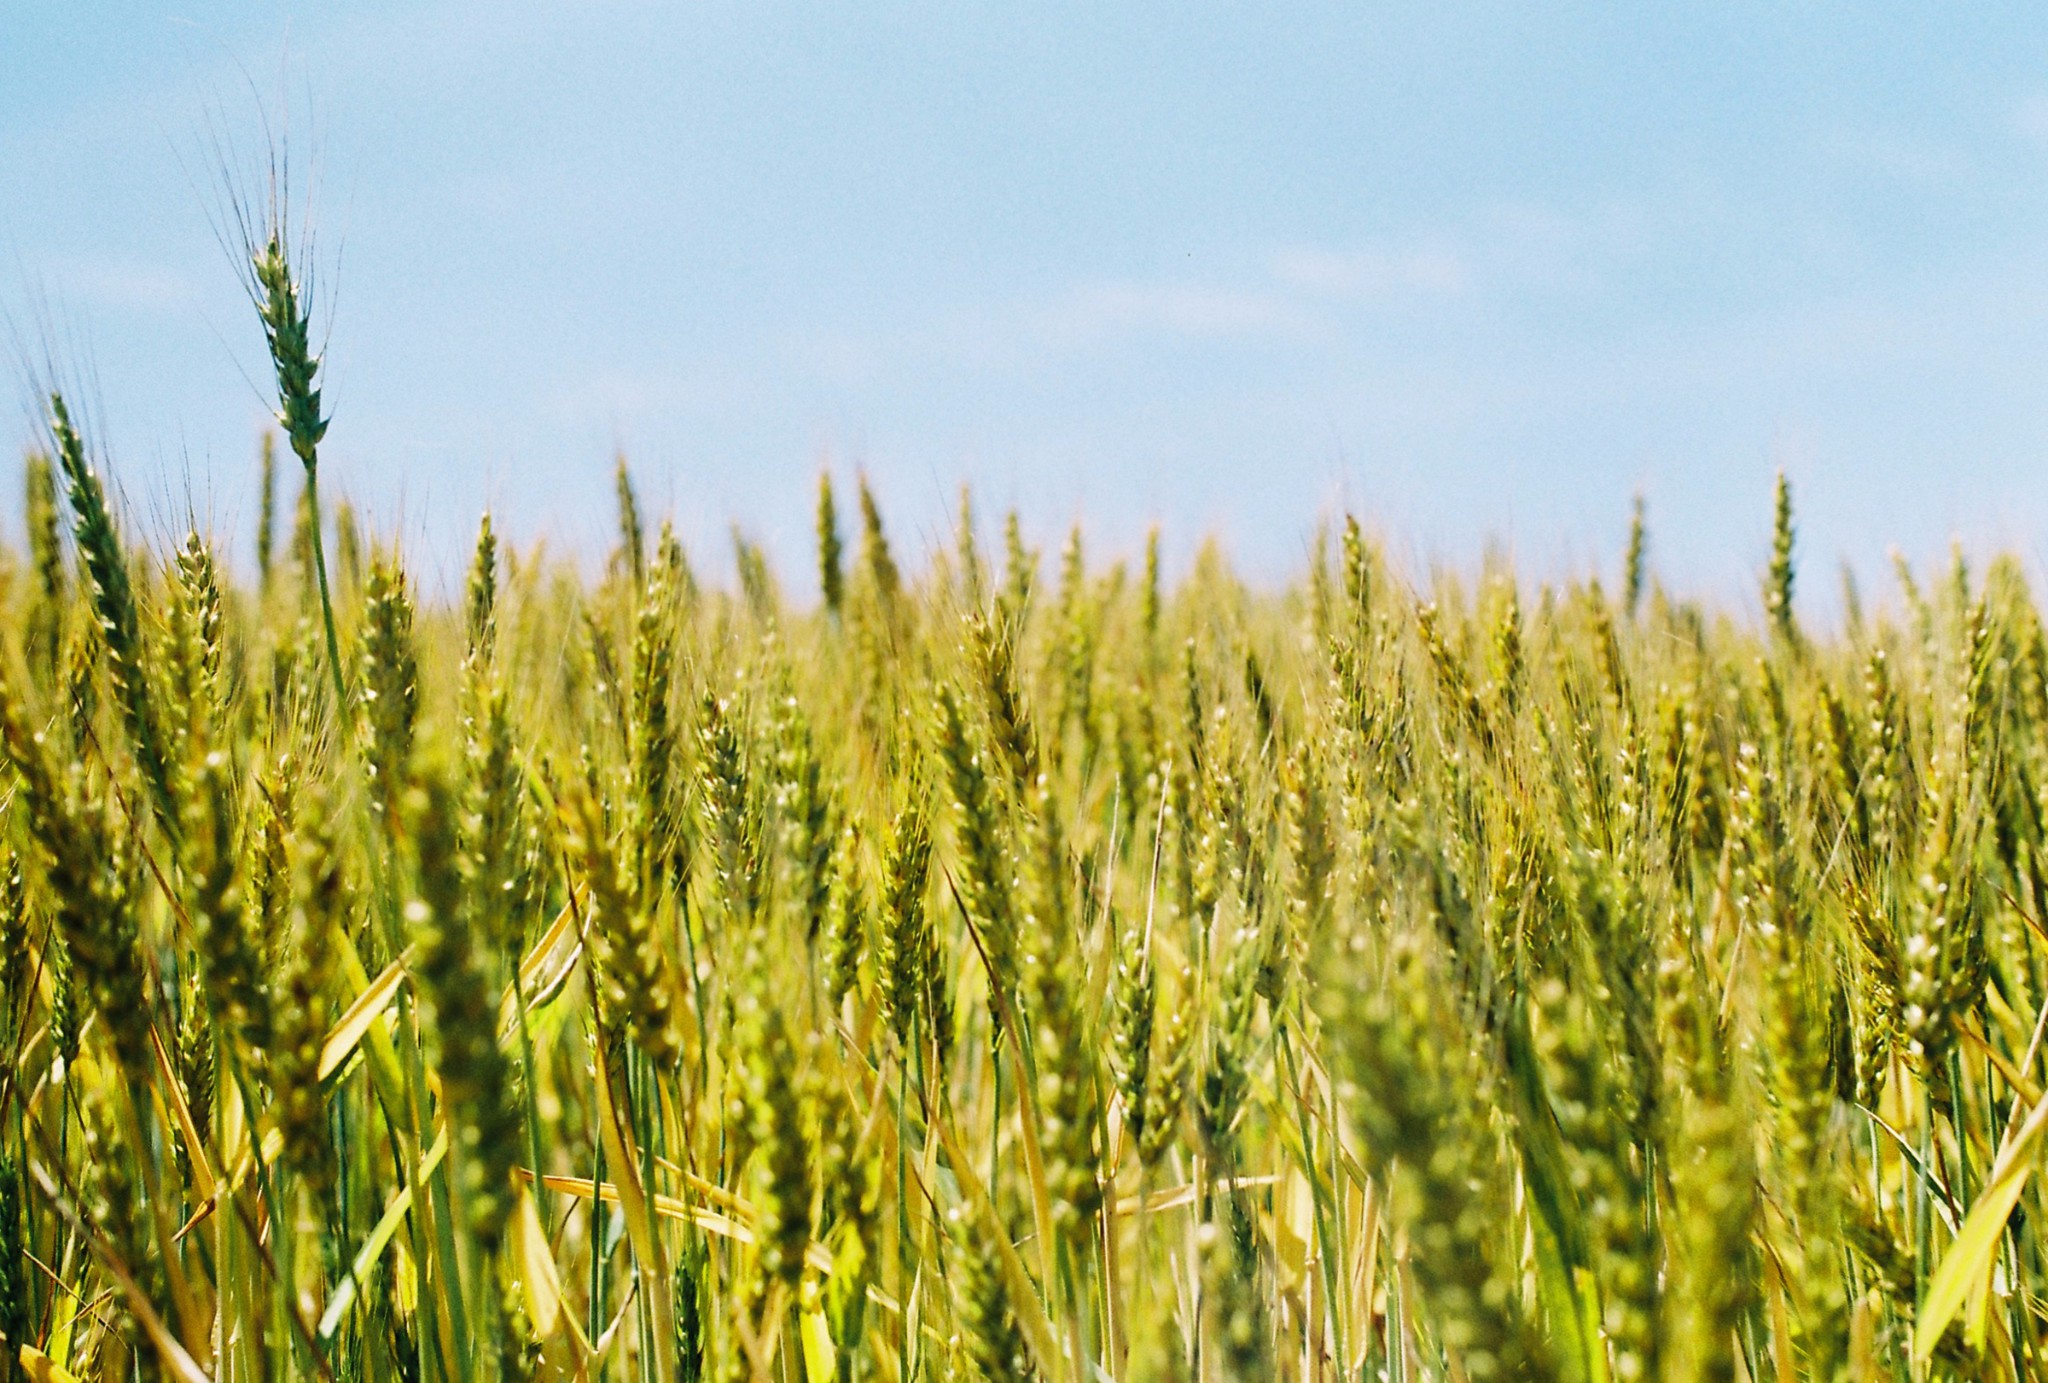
(537, 1268)
(821, 1361)
(368, 1007)
(41, 1368)
(1966, 1268)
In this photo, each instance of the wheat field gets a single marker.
(1005, 968)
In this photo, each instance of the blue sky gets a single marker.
(1478, 272)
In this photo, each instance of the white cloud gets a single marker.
(1371, 273)
(1898, 156)
(123, 284)
(660, 390)
(1097, 312)
(1089, 318)
(2031, 119)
